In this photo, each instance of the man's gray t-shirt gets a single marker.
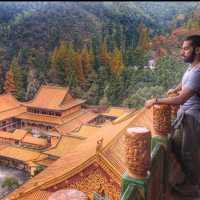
(191, 80)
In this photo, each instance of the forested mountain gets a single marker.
(98, 49)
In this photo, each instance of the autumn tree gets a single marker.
(33, 83)
(86, 61)
(117, 65)
(10, 84)
(62, 50)
(79, 67)
(62, 65)
(57, 63)
(104, 55)
(53, 72)
(143, 41)
(19, 78)
(15, 80)
(61, 60)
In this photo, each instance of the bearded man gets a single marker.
(186, 128)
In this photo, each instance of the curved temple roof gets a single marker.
(78, 158)
(53, 98)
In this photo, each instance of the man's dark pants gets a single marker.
(185, 143)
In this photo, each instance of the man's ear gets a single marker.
(197, 50)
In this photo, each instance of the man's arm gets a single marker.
(183, 96)
(175, 90)
(178, 87)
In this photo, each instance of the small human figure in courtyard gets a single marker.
(185, 138)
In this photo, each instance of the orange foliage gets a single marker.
(160, 53)
(86, 61)
(104, 55)
(117, 62)
(9, 85)
(79, 67)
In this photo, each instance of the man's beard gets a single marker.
(191, 58)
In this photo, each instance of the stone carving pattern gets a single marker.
(95, 182)
(174, 108)
(99, 144)
(107, 168)
(93, 179)
(162, 119)
(137, 148)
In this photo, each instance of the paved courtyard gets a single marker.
(5, 172)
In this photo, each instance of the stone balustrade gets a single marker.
(161, 119)
(143, 171)
(137, 151)
(174, 108)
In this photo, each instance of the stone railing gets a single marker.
(146, 158)
(174, 108)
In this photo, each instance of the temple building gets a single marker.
(94, 165)
(75, 145)
(9, 109)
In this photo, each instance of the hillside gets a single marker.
(44, 24)
(98, 49)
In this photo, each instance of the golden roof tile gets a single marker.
(18, 134)
(116, 111)
(72, 140)
(85, 131)
(21, 154)
(53, 98)
(75, 159)
(12, 112)
(75, 123)
(45, 162)
(34, 140)
(65, 144)
(8, 102)
(84, 154)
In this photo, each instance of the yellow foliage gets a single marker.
(9, 85)
(86, 61)
(117, 65)
(104, 55)
(143, 42)
(79, 67)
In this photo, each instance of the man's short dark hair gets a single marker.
(195, 39)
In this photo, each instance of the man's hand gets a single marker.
(170, 91)
(150, 103)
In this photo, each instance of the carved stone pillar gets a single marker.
(137, 151)
(68, 194)
(161, 119)
(174, 108)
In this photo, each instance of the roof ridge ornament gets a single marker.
(99, 144)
